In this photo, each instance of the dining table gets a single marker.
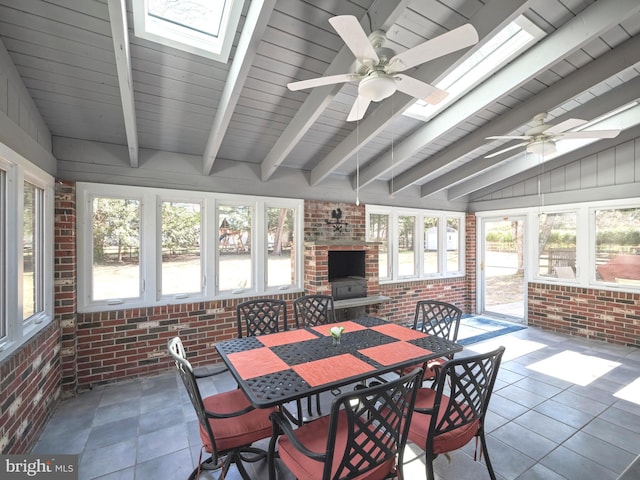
(283, 367)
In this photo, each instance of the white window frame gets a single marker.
(581, 232)
(592, 247)
(203, 251)
(18, 331)
(419, 214)
(298, 253)
(150, 250)
(585, 242)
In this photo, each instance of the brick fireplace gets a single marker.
(316, 265)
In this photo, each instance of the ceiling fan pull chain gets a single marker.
(357, 161)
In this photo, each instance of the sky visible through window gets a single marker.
(204, 16)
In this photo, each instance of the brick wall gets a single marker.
(613, 317)
(29, 390)
(65, 276)
(132, 343)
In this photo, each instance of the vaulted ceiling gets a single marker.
(93, 80)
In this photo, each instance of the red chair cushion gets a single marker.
(442, 443)
(313, 436)
(236, 431)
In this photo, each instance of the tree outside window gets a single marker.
(116, 248)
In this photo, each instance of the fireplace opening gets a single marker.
(346, 271)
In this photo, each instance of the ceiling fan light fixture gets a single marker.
(377, 86)
(542, 147)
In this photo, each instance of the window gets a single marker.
(115, 272)
(617, 246)
(3, 258)
(201, 27)
(511, 41)
(182, 269)
(594, 245)
(431, 242)
(32, 251)
(141, 246)
(281, 233)
(234, 248)
(379, 232)
(416, 231)
(452, 237)
(557, 244)
(26, 252)
(406, 246)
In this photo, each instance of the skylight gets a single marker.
(498, 51)
(201, 27)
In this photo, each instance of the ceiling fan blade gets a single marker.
(454, 40)
(509, 137)
(590, 134)
(354, 37)
(566, 125)
(318, 82)
(420, 90)
(358, 109)
(504, 150)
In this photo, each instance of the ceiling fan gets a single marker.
(542, 138)
(377, 69)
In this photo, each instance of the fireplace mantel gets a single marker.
(338, 243)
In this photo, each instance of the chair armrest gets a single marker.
(237, 413)
(220, 370)
(282, 425)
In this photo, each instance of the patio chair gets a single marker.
(363, 437)
(228, 422)
(261, 316)
(437, 318)
(443, 422)
(314, 310)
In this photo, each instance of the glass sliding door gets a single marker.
(501, 273)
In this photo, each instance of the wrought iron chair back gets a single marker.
(437, 318)
(462, 393)
(367, 431)
(235, 450)
(261, 316)
(314, 310)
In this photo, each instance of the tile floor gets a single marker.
(563, 408)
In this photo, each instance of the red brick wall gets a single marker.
(613, 317)
(133, 343)
(404, 295)
(29, 390)
(65, 276)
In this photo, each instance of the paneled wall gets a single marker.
(21, 125)
(600, 174)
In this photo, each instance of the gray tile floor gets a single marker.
(563, 408)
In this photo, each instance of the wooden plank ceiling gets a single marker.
(92, 79)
